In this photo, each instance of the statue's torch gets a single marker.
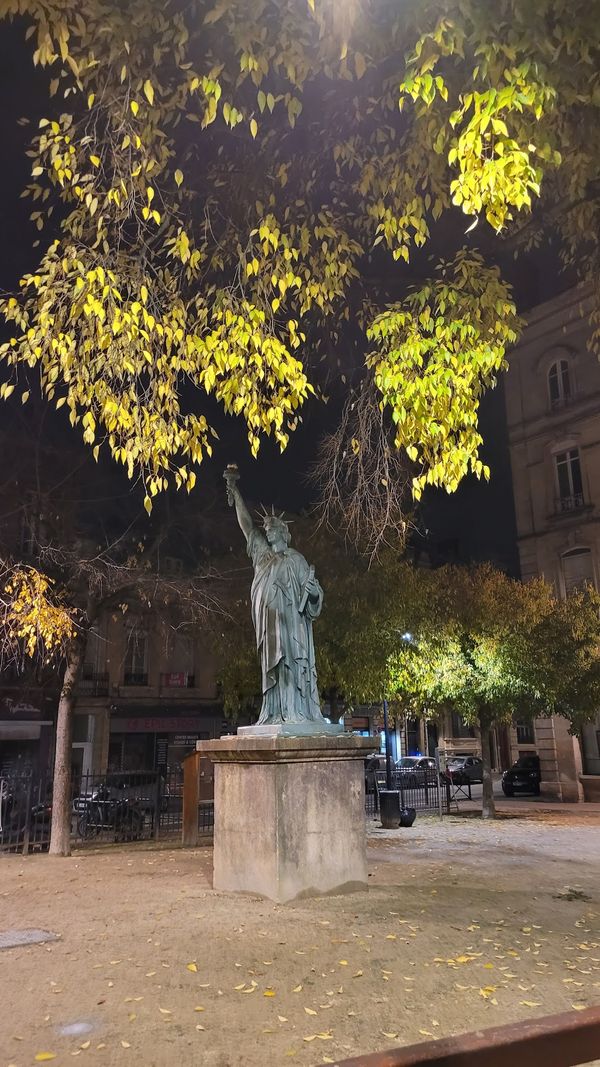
(231, 475)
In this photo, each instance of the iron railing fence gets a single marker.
(25, 813)
(424, 793)
(114, 807)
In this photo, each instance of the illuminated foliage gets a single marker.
(224, 173)
(494, 649)
(33, 619)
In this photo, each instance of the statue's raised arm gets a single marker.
(235, 499)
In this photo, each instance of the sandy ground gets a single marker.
(465, 925)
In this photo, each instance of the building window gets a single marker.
(578, 569)
(559, 384)
(136, 658)
(568, 477)
(525, 733)
(460, 728)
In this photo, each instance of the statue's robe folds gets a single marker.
(283, 617)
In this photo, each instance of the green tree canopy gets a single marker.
(494, 649)
(233, 180)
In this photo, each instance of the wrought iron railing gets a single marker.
(135, 678)
(571, 503)
(105, 808)
(94, 683)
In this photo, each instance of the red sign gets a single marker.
(178, 680)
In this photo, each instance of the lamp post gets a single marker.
(388, 754)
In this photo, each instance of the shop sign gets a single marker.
(182, 724)
(18, 709)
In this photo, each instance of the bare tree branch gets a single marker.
(363, 480)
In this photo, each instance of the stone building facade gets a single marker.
(146, 696)
(552, 392)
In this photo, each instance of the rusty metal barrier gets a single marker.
(553, 1041)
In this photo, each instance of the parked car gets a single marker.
(461, 770)
(411, 771)
(523, 777)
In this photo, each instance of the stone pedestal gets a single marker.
(289, 814)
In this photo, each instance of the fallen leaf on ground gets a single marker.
(386, 1033)
(165, 1011)
(297, 989)
(192, 967)
(310, 1011)
(125, 1044)
(199, 1027)
(487, 991)
(358, 974)
(199, 1008)
(282, 1018)
(579, 1007)
(269, 993)
(86, 1044)
(40, 1057)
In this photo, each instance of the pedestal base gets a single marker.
(293, 729)
(289, 814)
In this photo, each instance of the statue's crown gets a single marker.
(269, 518)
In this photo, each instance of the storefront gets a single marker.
(159, 738)
(26, 737)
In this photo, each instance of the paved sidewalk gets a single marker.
(531, 807)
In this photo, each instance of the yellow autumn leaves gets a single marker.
(31, 616)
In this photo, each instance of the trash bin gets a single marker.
(389, 806)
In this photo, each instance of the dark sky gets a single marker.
(477, 522)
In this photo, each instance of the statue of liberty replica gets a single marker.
(286, 597)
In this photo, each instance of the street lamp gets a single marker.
(388, 754)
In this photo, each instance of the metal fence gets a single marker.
(428, 793)
(115, 807)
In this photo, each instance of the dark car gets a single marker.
(464, 769)
(411, 771)
(523, 777)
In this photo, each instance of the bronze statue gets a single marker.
(286, 597)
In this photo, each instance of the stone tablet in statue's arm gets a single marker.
(311, 600)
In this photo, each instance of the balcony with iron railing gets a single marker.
(134, 678)
(94, 683)
(573, 502)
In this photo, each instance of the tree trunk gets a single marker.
(488, 807)
(60, 836)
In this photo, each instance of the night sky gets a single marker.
(475, 523)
